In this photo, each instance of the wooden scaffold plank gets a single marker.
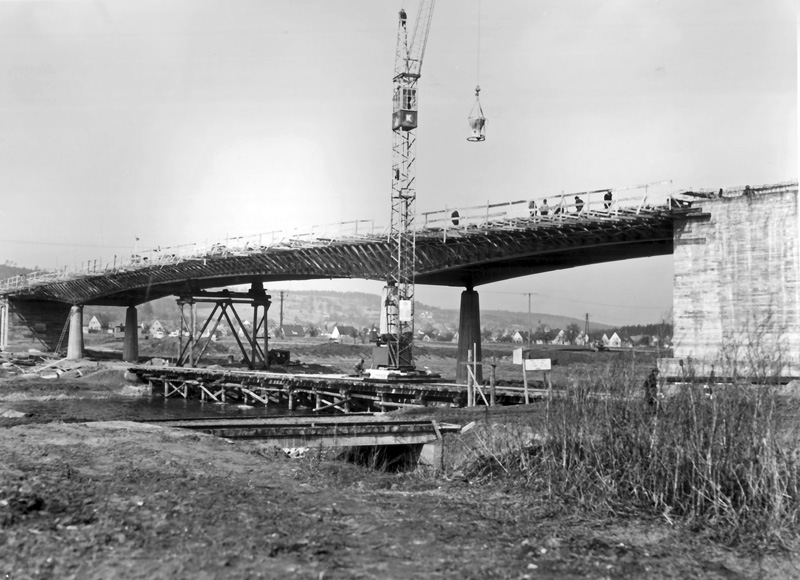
(260, 398)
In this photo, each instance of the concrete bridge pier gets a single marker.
(75, 343)
(469, 335)
(130, 348)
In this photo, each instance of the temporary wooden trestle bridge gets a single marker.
(319, 393)
(309, 431)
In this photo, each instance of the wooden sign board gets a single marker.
(537, 364)
(517, 356)
(406, 310)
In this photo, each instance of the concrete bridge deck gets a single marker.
(473, 249)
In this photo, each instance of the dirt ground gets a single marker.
(118, 499)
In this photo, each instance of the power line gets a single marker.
(576, 301)
(61, 244)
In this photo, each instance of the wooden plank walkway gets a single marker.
(319, 393)
(314, 431)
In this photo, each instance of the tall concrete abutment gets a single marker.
(736, 295)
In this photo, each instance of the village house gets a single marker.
(157, 330)
(293, 331)
(246, 327)
(97, 323)
(342, 331)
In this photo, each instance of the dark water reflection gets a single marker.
(144, 408)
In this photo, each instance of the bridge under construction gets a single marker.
(728, 246)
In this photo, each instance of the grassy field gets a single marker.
(570, 364)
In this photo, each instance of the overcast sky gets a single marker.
(186, 120)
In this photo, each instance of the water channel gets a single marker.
(147, 407)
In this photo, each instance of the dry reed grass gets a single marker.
(724, 463)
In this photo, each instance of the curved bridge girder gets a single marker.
(466, 258)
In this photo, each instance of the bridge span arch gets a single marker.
(467, 256)
(460, 257)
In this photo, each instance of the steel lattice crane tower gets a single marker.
(399, 294)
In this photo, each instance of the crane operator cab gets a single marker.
(405, 109)
(477, 122)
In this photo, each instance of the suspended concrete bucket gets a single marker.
(477, 122)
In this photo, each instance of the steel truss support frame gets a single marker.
(255, 355)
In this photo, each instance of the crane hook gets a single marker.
(477, 122)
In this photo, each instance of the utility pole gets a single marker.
(280, 319)
(530, 326)
(586, 328)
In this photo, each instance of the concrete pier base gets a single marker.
(75, 344)
(130, 348)
(469, 335)
(431, 456)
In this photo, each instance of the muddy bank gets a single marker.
(118, 499)
(126, 500)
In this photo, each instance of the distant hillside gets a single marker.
(361, 309)
(10, 269)
(505, 319)
(315, 308)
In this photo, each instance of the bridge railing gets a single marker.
(33, 279)
(559, 207)
(705, 193)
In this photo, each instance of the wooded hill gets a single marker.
(311, 308)
(316, 308)
(10, 269)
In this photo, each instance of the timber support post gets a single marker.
(3, 323)
(130, 348)
(469, 336)
(75, 341)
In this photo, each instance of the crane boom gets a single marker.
(419, 39)
(399, 295)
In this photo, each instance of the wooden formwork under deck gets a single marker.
(320, 393)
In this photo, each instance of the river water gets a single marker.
(139, 408)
